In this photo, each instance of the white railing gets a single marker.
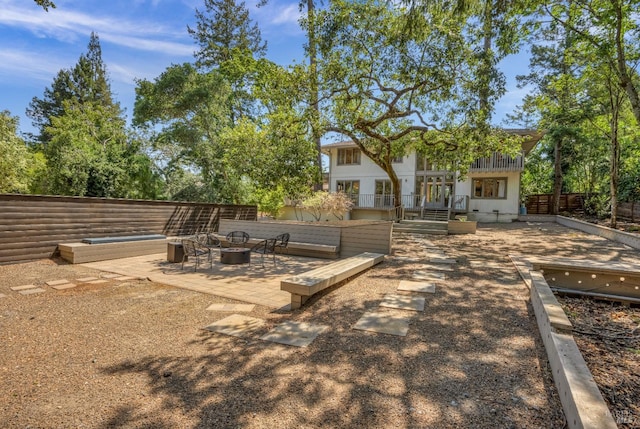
(410, 202)
(460, 203)
(498, 162)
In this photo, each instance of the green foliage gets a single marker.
(411, 82)
(15, 158)
(45, 4)
(184, 112)
(269, 201)
(224, 26)
(89, 153)
(86, 82)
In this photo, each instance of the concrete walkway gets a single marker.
(248, 283)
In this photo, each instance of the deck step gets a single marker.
(421, 227)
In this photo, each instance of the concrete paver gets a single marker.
(236, 325)
(57, 282)
(23, 287)
(428, 275)
(231, 307)
(86, 279)
(249, 284)
(412, 286)
(383, 323)
(403, 302)
(31, 291)
(64, 286)
(299, 334)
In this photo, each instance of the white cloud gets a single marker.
(289, 14)
(29, 65)
(67, 25)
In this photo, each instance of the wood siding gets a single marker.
(32, 226)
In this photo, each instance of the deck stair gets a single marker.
(440, 215)
(421, 227)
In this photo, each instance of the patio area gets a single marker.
(251, 283)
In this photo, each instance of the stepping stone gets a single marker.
(231, 307)
(437, 266)
(383, 323)
(424, 287)
(86, 279)
(98, 282)
(110, 275)
(487, 264)
(236, 325)
(442, 260)
(408, 259)
(25, 287)
(64, 286)
(57, 282)
(428, 275)
(31, 291)
(2, 295)
(403, 302)
(298, 334)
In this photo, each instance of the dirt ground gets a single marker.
(133, 354)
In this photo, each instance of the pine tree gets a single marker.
(223, 26)
(86, 82)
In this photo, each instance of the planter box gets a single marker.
(459, 227)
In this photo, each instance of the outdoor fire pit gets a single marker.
(235, 255)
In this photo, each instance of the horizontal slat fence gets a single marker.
(541, 203)
(31, 226)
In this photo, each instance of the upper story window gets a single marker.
(490, 188)
(397, 160)
(348, 156)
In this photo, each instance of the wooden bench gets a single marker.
(304, 285)
(316, 242)
(106, 248)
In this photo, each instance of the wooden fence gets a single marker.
(541, 204)
(629, 211)
(571, 203)
(32, 226)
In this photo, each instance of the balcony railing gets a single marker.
(498, 162)
(460, 203)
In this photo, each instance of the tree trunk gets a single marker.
(615, 157)
(557, 179)
(626, 82)
(313, 72)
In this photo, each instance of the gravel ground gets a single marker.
(133, 354)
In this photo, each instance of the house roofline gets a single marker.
(532, 137)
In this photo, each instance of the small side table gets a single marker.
(175, 251)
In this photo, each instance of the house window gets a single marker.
(348, 156)
(397, 160)
(384, 194)
(494, 188)
(351, 188)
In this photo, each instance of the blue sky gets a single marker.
(139, 40)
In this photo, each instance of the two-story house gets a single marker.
(489, 192)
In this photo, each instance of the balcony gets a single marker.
(497, 162)
(459, 204)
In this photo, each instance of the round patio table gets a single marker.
(235, 255)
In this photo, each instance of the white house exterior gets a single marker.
(489, 193)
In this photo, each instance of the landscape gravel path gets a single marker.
(134, 354)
